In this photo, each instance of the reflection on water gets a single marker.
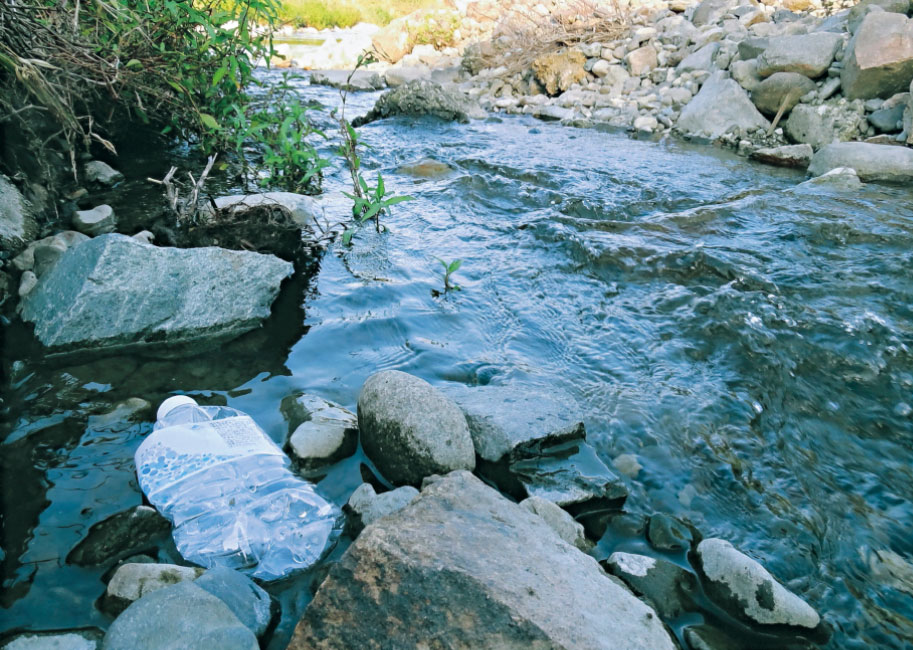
(746, 338)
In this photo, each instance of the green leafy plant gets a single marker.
(367, 202)
(449, 269)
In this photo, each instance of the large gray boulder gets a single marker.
(808, 54)
(836, 121)
(466, 565)
(410, 430)
(781, 90)
(180, 617)
(745, 589)
(17, 225)
(862, 9)
(721, 106)
(422, 97)
(879, 58)
(121, 294)
(872, 162)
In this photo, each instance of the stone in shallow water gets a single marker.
(322, 432)
(872, 162)
(179, 617)
(410, 429)
(669, 587)
(125, 295)
(791, 155)
(134, 580)
(423, 97)
(250, 603)
(747, 591)
(465, 564)
(70, 640)
(668, 534)
(123, 534)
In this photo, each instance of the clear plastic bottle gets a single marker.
(230, 493)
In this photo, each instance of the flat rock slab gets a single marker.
(114, 294)
(465, 565)
(872, 162)
(791, 155)
(808, 54)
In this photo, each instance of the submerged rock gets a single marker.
(365, 506)
(879, 60)
(410, 430)
(559, 71)
(793, 155)
(179, 617)
(321, 432)
(720, 106)
(463, 563)
(125, 295)
(872, 162)
(668, 533)
(745, 589)
(132, 581)
(422, 97)
(359, 79)
(120, 535)
(668, 587)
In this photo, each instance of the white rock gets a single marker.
(97, 221)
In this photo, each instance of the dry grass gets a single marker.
(333, 13)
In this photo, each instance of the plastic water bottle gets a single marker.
(230, 493)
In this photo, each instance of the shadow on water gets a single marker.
(745, 337)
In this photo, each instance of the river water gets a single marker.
(745, 335)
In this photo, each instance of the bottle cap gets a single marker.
(172, 403)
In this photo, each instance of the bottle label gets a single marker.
(171, 454)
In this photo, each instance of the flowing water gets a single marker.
(746, 336)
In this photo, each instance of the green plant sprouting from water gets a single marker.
(368, 202)
(449, 269)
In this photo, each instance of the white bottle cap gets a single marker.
(172, 403)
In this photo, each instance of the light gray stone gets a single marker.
(872, 162)
(365, 506)
(721, 106)
(746, 74)
(132, 581)
(808, 54)
(179, 617)
(321, 432)
(410, 430)
(27, 282)
(879, 60)
(701, 59)
(304, 209)
(888, 120)
(709, 12)
(17, 225)
(559, 521)
(781, 90)
(752, 48)
(360, 80)
(793, 155)
(247, 600)
(126, 295)
(745, 588)
(399, 75)
(97, 221)
(102, 173)
(25, 261)
(826, 123)
(483, 573)
(842, 178)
